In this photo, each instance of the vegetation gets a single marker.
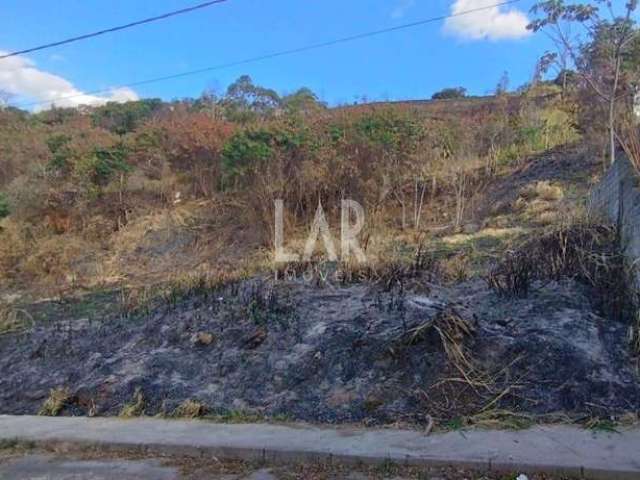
(136, 407)
(605, 60)
(450, 93)
(55, 403)
(190, 409)
(583, 251)
(4, 206)
(92, 189)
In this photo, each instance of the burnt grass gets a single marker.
(323, 353)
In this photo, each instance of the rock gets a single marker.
(202, 339)
(255, 338)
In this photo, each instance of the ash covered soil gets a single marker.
(355, 353)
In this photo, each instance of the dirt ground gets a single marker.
(359, 353)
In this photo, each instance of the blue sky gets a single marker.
(411, 63)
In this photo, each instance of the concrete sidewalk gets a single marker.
(551, 449)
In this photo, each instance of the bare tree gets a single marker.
(606, 38)
(5, 98)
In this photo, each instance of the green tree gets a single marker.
(58, 145)
(122, 118)
(448, 93)
(252, 148)
(4, 206)
(245, 100)
(302, 101)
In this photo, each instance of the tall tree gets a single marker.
(245, 100)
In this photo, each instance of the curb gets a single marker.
(556, 450)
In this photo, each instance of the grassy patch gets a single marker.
(602, 425)
(58, 399)
(477, 249)
(15, 445)
(13, 320)
(136, 407)
(243, 416)
(582, 251)
(190, 409)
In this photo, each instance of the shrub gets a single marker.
(192, 145)
(136, 407)
(55, 403)
(447, 93)
(190, 409)
(105, 163)
(58, 146)
(122, 118)
(585, 252)
(513, 276)
(4, 206)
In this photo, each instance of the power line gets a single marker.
(276, 54)
(113, 29)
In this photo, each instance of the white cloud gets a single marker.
(494, 23)
(401, 8)
(20, 77)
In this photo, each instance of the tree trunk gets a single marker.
(612, 99)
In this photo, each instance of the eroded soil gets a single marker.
(357, 353)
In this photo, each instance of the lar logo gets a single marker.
(352, 221)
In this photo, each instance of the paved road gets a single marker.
(49, 467)
(553, 449)
(43, 467)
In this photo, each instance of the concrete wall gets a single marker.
(617, 197)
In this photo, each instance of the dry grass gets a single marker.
(464, 387)
(190, 409)
(13, 247)
(485, 233)
(390, 270)
(136, 300)
(58, 399)
(630, 141)
(136, 407)
(540, 203)
(456, 269)
(583, 251)
(199, 284)
(542, 190)
(60, 261)
(454, 332)
(14, 320)
(500, 419)
(513, 276)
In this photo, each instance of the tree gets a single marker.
(245, 100)
(449, 93)
(122, 118)
(598, 57)
(503, 84)
(566, 78)
(302, 101)
(192, 144)
(5, 97)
